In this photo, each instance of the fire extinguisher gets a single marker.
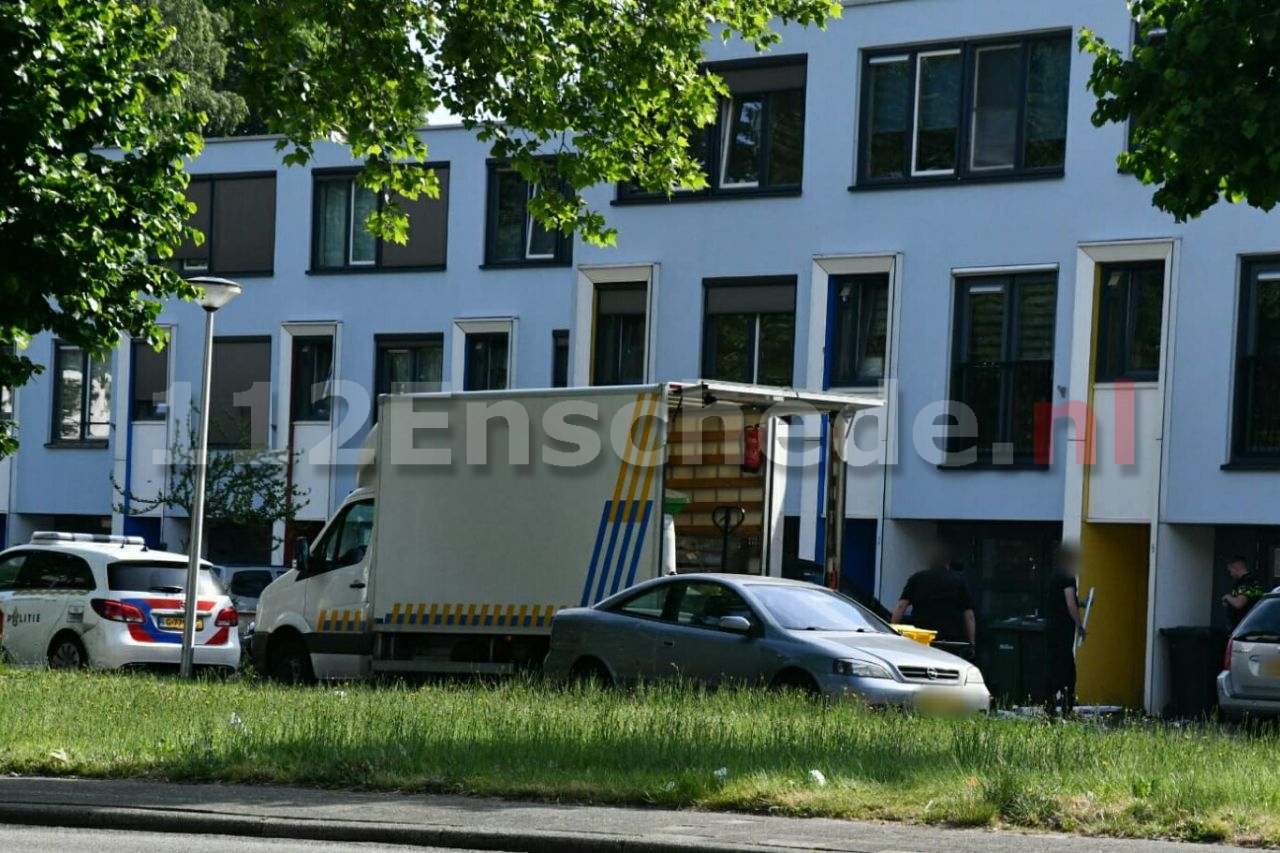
(752, 455)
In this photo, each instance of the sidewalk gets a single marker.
(493, 825)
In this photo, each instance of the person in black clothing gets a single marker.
(1245, 591)
(1064, 624)
(939, 601)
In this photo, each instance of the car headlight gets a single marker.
(973, 676)
(859, 669)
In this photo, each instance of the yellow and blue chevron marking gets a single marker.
(472, 615)
(626, 516)
(341, 621)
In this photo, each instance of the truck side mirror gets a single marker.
(302, 555)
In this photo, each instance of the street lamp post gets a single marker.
(214, 293)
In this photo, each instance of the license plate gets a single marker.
(1271, 668)
(174, 623)
(940, 703)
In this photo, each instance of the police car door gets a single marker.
(12, 627)
(37, 605)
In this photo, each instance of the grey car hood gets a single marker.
(892, 648)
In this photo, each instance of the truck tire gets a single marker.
(67, 652)
(290, 662)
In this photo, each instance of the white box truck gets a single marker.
(478, 515)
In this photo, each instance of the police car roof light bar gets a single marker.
(58, 536)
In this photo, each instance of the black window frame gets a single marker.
(216, 420)
(84, 437)
(599, 318)
(304, 406)
(7, 392)
(211, 237)
(416, 343)
(1244, 451)
(471, 337)
(147, 411)
(713, 137)
(708, 342)
(858, 377)
(560, 358)
(963, 171)
(1022, 457)
(561, 257)
(379, 263)
(1114, 367)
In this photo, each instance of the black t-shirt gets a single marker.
(1056, 612)
(939, 598)
(1251, 590)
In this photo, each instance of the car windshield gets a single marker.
(798, 608)
(152, 576)
(250, 584)
(1262, 625)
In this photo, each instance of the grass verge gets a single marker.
(743, 751)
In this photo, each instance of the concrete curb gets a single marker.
(213, 823)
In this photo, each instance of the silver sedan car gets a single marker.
(743, 629)
(1250, 681)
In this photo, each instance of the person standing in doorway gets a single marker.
(939, 601)
(1245, 591)
(1065, 624)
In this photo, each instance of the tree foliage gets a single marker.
(77, 224)
(245, 487)
(1201, 93)
(200, 54)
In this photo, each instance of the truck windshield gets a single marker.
(799, 608)
(154, 576)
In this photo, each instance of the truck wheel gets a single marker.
(290, 664)
(67, 652)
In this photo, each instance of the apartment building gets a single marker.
(913, 203)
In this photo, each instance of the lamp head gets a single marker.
(215, 292)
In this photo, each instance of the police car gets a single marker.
(73, 600)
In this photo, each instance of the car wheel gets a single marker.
(591, 672)
(291, 664)
(67, 652)
(795, 681)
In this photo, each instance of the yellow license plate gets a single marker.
(939, 703)
(174, 623)
(1271, 668)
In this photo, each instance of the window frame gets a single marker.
(159, 415)
(302, 407)
(184, 266)
(8, 393)
(716, 140)
(1003, 433)
(862, 281)
(963, 171)
(378, 264)
(1254, 270)
(84, 439)
(1102, 355)
(561, 358)
(561, 257)
(382, 344)
(597, 316)
(215, 442)
(707, 348)
(490, 335)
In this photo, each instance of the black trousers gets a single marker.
(1062, 670)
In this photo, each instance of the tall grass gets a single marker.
(746, 751)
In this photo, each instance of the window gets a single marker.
(341, 239)
(859, 329)
(409, 364)
(150, 378)
(346, 541)
(1257, 399)
(11, 570)
(620, 332)
(150, 575)
(237, 215)
(312, 377)
(749, 331)
(559, 358)
(240, 393)
(486, 361)
(969, 110)
(6, 392)
(82, 395)
(513, 236)
(1004, 361)
(703, 605)
(1130, 316)
(646, 605)
(756, 143)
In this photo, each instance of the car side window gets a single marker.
(10, 569)
(703, 605)
(69, 572)
(645, 605)
(38, 572)
(353, 539)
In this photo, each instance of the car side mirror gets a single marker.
(736, 624)
(302, 555)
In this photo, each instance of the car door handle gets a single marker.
(668, 643)
(357, 584)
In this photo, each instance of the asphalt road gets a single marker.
(34, 839)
